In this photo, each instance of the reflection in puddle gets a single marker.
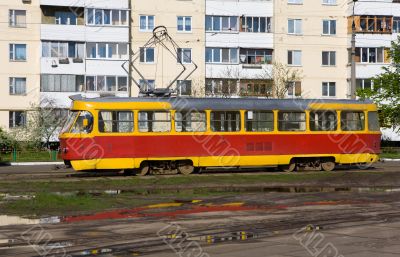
(6, 220)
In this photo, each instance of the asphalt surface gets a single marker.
(361, 221)
(263, 224)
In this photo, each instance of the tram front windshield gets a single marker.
(79, 122)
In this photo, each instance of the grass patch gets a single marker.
(390, 155)
(29, 156)
(142, 184)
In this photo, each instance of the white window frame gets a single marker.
(179, 84)
(328, 85)
(105, 83)
(107, 50)
(181, 56)
(297, 26)
(293, 54)
(147, 29)
(234, 30)
(12, 81)
(12, 52)
(220, 55)
(376, 55)
(14, 125)
(93, 15)
(295, 1)
(363, 82)
(145, 55)
(329, 2)
(329, 27)
(12, 19)
(185, 19)
(329, 58)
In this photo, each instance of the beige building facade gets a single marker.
(184, 21)
(19, 60)
(311, 36)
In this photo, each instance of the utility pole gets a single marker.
(353, 57)
(129, 85)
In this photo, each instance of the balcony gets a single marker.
(372, 24)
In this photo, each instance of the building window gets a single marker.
(146, 22)
(255, 24)
(292, 121)
(225, 121)
(107, 50)
(115, 121)
(61, 83)
(155, 121)
(184, 55)
(107, 17)
(329, 27)
(184, 23)
(323, 121)
(184, 87)
(294, 89)
(329, 2)
(295, 26)
(256, 56)
(221, 87)
(329, 89)
(261, 88)
(17, 18)
(17, 86)
(190, 121)
(352, 121)
(221, 23)
(396, 24)
(372, 55)
(106, 83)
(294, 57)
(221, 55)
(372, 24)
(146, 55)
(259, 121)
(328, 58)
(146, 87)
(295, 1)
(17, 52)
(66, 18)
(17, 119)
(364, 84)
(63, 49)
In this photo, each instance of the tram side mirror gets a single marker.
(85, 123)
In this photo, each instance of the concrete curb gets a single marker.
(390, 160)
(35, 163)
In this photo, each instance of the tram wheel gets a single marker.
(328, 166)
(144, 169)
(288, 168)
(185, 168)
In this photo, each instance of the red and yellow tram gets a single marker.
(148, 134)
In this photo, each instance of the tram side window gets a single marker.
(154, 121)
(83, 123)
(373, 121)
(116, 121)
(292, 121)
(225, 121)
(323, 121)
(259, 121)
(352, 121)
(190, 121)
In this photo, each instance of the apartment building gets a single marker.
(239, 48)
(84, 45)
(311, 37)
(19, 60)
(157, 66)
(377, 24)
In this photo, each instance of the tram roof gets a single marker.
(181, 103)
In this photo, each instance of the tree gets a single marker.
(283, 77)
(386, 90)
